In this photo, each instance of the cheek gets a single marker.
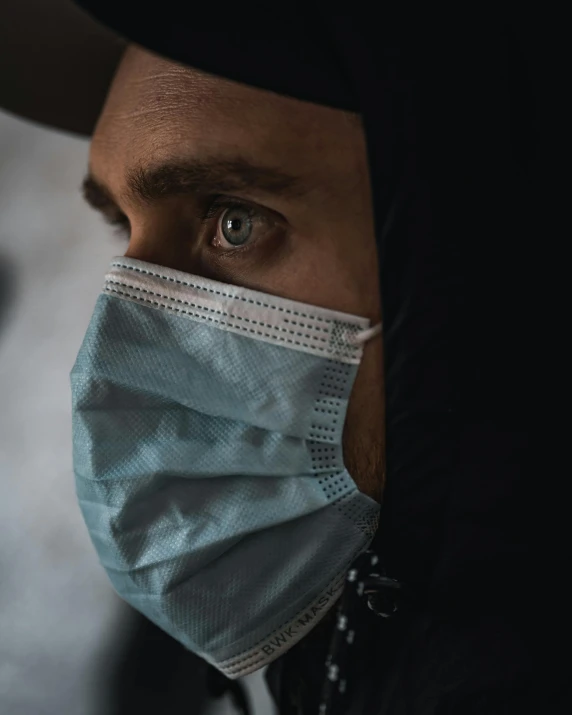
(364, 429)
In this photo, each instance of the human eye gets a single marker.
(238, 225)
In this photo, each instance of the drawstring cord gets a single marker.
(365, 581)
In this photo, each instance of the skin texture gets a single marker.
(318, 247)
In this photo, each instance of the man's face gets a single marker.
(247, 187)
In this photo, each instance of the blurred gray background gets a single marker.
(60, 620)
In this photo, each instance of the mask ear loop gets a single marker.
(366, 335)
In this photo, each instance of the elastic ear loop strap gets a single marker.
(365, 335)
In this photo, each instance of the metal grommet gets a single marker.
(383, 595)
(381, 606)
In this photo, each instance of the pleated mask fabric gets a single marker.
(207, 449)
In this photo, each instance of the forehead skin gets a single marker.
(158, 110)
(156, 105)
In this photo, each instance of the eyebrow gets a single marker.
(148, 184)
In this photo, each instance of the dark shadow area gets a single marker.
(152, 673)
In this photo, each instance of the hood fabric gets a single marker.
(463, 582)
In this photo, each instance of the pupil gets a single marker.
(237, 228)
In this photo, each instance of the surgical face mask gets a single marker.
(207, 449)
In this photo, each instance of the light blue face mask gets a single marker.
(207, 430)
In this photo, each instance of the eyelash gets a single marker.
(214, 207)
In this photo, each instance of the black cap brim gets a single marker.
(56, 63)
